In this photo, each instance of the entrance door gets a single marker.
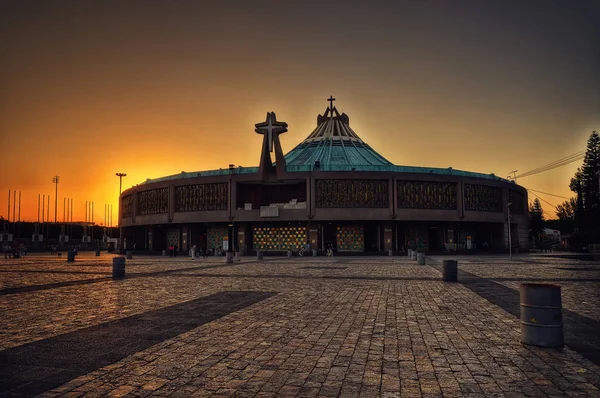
(372, 237)
(434, 239)
(329, 237)
(388, 242)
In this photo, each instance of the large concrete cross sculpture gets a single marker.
(271, 129)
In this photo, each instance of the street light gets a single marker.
(120, 175)
(55, 181)
(509, 235)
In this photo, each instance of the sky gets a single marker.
(153, 88)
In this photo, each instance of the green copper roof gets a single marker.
(334, 144)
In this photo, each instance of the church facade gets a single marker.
(331, 190)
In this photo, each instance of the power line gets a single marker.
(543, 200)
(558, 163)
(546, 193)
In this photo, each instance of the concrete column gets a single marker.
(391, 196)
(171, 202)
(313, 195)
(308, 197)
(134, 206)
(460, 189)
(233, 198)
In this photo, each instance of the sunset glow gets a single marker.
(153, 90)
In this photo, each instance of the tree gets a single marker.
(585, 183)
(536, 221)
(566, 210)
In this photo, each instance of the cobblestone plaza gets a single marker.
(312, 326)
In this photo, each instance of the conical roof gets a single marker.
(335, 146)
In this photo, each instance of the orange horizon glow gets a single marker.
(92, 89)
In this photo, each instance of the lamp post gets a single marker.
(55, 181)
(509, 234)
(120, 175)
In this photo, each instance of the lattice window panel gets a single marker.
(127, 206)
(154, 201)
(350, 238)
(352, 193)
(201, 197)
(427, 195)
(483, 198)
(518, 200)
(279, 238)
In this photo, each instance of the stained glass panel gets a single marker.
(279, 238)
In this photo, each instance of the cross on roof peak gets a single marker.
(331, 99)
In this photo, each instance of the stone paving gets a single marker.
(342, 326)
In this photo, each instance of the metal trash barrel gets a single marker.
(421, 258)
(97, 252)
(390, 253)
(129, 254)
(314, 253)
(450, 271)
(70, 256)
(118, 267)
(541, 315)
(413, 255)
(259, 255)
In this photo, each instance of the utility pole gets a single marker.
(55, 181)
(514, 175)
(509, 234)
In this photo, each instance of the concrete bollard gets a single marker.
(129, 254)
(390, 253)
(70, 256)
(541, 315)
(118, 271)
(314, 253)
(289, 253)
(421, 258)
(259, 255)
(229, 258)
(164, 252)
(97, 252)
(409, 253)
(413, 255)
(450, 271)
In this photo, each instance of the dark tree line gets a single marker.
(583, 211)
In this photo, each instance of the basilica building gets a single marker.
(331, 190)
